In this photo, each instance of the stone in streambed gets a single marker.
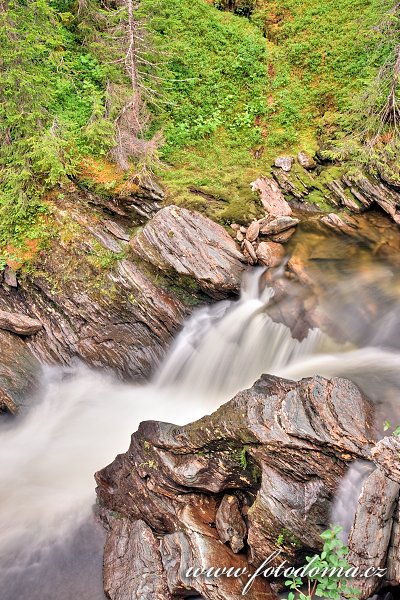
(132, 564)
(270, 254)
(249, 252)
(186, 242)
(273, 226)
(282, 238)
(253, 231)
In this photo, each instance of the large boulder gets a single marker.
(188, 243)
(223, 490)
(271, 197)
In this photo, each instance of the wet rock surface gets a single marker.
(192, 245)
(125, 328)
(19, 372)
(264, 466)
(90, 297)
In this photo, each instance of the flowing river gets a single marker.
(50, 543)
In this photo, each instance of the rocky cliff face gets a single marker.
(90, 297)
(228, 489)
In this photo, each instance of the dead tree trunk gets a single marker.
(391, 112)
(131, 62)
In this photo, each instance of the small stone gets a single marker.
(235, 226)
(249, 252)
(306, 161)
(284, 162)
(274, 226)
(10, 277)
(253, 231)
(270, 254)
(283, 237)
(239, 236)
(243, 229)
(18, 323)
(230, 524)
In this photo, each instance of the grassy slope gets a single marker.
(231, 99)
(318, 57)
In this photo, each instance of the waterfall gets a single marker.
(81, 419)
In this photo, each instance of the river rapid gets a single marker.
(50, 542)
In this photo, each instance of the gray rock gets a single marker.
(19, 324)
(10, 277)
(132, 563)
(19, 372)
(270, 226)
(386, 454)
(370, 535)
(184, 241)
(284, 162)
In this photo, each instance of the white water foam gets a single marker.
(82, 419)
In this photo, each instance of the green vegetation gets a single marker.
(388, 425)
(329, 578)
(226, 92)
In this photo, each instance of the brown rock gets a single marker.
(342, 225)
(273, 226)
(370, 535)
(249, 252)
(19, 372)
(180, 240)
(253, 231)
(282, 238)
(270, 254)
(19, 324)
(386, 454)
(297, 439)
(132, 563)
(230, 524)
(306, 161)
(271, 197)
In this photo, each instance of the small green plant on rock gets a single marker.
(326, 577)
(387, 425)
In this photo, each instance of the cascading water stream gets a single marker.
(81, 419)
